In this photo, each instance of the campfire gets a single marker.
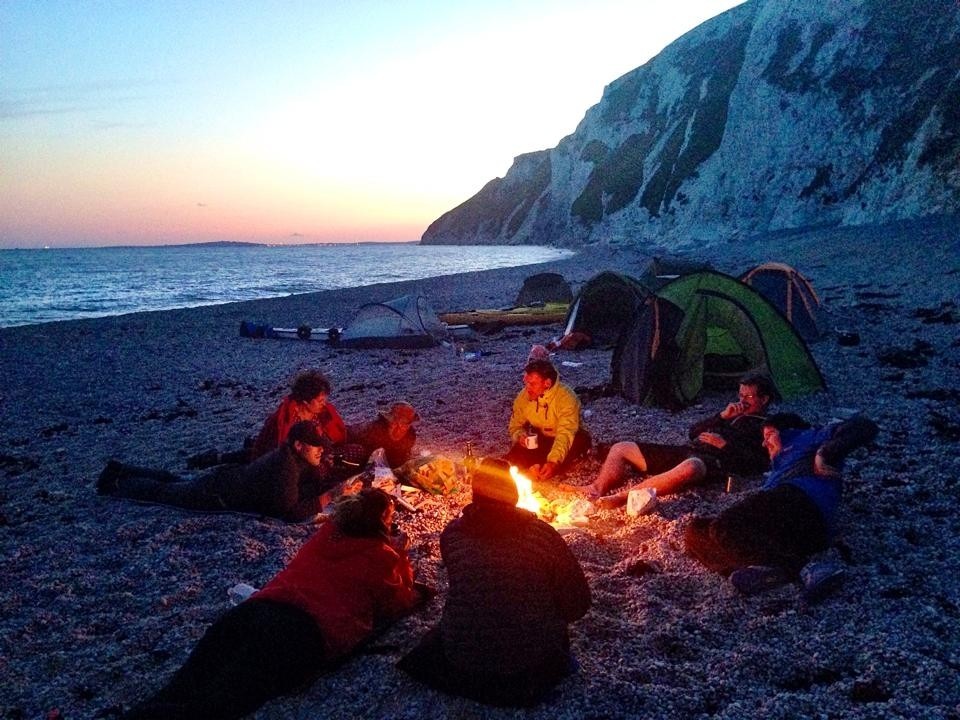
(559, 513)
(528, 499)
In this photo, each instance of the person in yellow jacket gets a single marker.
(545, 429)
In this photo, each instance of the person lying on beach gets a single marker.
(514, 587)
(545, 429)
(391, 430)
(308, 400)
(767, 537)
(348, 581)
(727, 442)
(286, 483)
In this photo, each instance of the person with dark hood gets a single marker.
(347, 582)
(766, 538)
(286, 483)
(514, 586)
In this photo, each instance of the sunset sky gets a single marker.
(169, 121)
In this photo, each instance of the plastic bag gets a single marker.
(383, 476)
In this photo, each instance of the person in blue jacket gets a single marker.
(791, 518)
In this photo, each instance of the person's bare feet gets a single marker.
(591, 492)
(609, 502)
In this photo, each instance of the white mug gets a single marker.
(530, 442)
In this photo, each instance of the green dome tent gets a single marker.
(707, 329)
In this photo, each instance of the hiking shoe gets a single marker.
(107, 482)
(820, 579)
(755, 579)
(641, 501)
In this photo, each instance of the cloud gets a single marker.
(73, 99)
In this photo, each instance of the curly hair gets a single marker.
(361, 514)
(308, 384)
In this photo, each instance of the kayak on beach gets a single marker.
(544, 314)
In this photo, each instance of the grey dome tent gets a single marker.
(706, 330)
(546, 288)
(791, 293)
(402, 323)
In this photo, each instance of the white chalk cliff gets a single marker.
(777, 114)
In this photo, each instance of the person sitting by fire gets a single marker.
(728, 442)
(545, 427)
(767, 537)
(351, 579)
(286, 483)
(514, 586)
(308, 400)
(391, 430)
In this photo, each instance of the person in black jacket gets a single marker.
(729, 442)
(514, 588)
(286, 483)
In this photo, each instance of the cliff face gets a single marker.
(777, 114)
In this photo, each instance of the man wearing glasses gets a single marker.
(730, 441)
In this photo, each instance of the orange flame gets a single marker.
(527, 500)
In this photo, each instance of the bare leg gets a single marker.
(616, 467)
(690, 471)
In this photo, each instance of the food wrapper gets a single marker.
(434, 474)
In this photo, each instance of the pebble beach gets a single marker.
(101, 599)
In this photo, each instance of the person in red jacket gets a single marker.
(308, 400)
(348, 581)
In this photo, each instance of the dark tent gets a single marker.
(606, 304)
(790, 292)
(604, 307)
(544, 288)
(644, 357)
(405, 322)
(707, 329)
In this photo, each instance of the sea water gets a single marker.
(46, 285)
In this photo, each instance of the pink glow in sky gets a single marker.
(150, 123)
